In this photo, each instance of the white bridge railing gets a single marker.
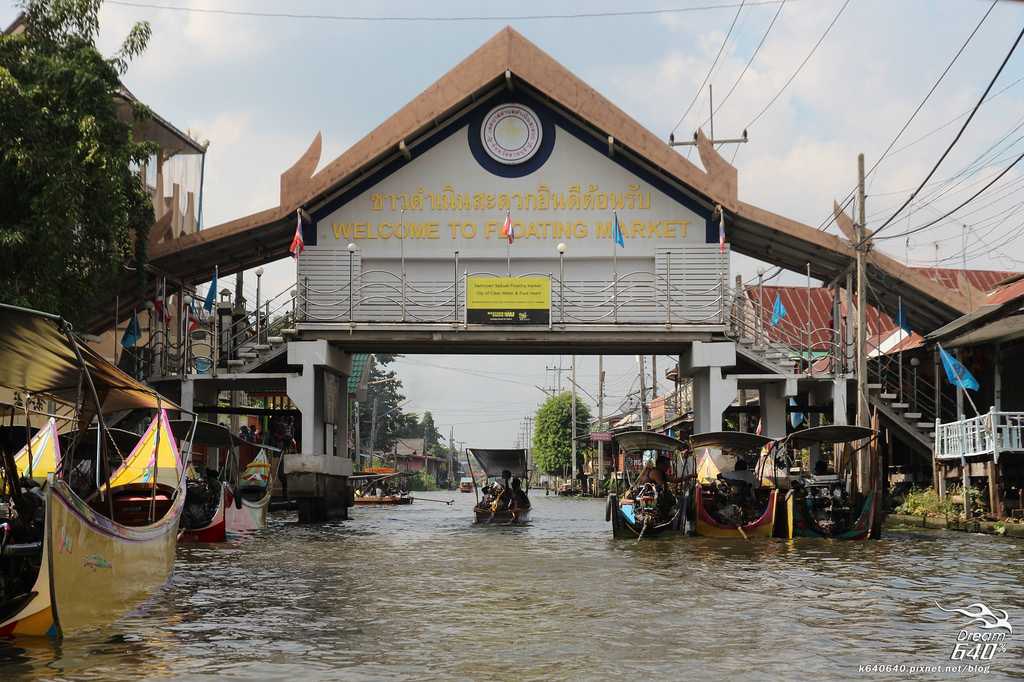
(986, 434)
(630, 298)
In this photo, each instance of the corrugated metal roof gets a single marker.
(360, 368)
(805, 305)
(979, 279)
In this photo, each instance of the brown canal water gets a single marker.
(417, 592)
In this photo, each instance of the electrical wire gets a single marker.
(953, 143)
(441, 19)
(718, 56)
(802, 65)
(747, 66)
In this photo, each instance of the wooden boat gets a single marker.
(648, 509)
(381, 489)
(74, 561)
(225, 500)
(504, 502)
(248, 510)
(824, 505)
(732, 505)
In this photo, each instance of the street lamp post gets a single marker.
(259, 280)
(561, 282)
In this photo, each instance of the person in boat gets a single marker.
(821, 468)
(656, 473)
(519, 498)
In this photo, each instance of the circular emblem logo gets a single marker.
(511, 133)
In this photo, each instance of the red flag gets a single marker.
(507, 230)
(162, 311)
(298, 245)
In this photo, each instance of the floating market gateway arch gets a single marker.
(406, 247)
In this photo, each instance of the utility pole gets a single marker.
(643, 396)
(600, 424)
(373, 429)
(451, 448)
(654, 377)
(573, 403)
(862, 365)
(359, 442)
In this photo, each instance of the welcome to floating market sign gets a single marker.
(510, 159)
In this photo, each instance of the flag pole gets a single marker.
(508, 245)
(615, 268)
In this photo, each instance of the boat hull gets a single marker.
(35, 617)
(100, 569)
(625, 525)
(246, 515)
(762, 527)
(383, 500)
(804, 526)
(216, 530)
(502, 517)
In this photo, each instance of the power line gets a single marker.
(439, 19)
(956, 139)
(850, 195)
(721, 49)
(802, 64)
(961, 205)
(747, 66)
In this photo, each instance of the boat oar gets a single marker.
(428, 499)
(740, 529)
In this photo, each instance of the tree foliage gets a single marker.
(386, 389)
(428, 432)
(74, 212)
(552, 435)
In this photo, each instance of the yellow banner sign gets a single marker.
(508, 300)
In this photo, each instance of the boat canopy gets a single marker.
(123, 441)
(494, 461)
(45, 448)
(37, 355)
(156, 449)
(211, 435)
(837, 433)
(736, 441)
(634, 441)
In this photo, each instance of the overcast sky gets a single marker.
(260, 88)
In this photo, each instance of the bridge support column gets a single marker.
(318, 478)
(712, 393)
(774, 397)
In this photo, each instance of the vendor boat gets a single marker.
(649, 508)
(823, 503)
(736, 504)
(252, 499)
(503, 500)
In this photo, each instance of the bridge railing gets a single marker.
(638, 297)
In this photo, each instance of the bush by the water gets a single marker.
(925, 501)
(423, 481)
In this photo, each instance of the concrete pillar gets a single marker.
(712, 393)
(839, 397)
(321, 394)
(774, 397)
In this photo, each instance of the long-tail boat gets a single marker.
(652, 504)
(379, 488)
(79, 552)
(221, 498)
(503, 501)
(737, 503)
(824, 503)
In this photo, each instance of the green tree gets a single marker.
(385, 388)
(552, 435)
(428, 431)
(74, 211)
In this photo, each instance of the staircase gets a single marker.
(909, 405)
(253, 353)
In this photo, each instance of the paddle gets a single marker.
(428, 499)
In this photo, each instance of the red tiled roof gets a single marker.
(984, 280)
